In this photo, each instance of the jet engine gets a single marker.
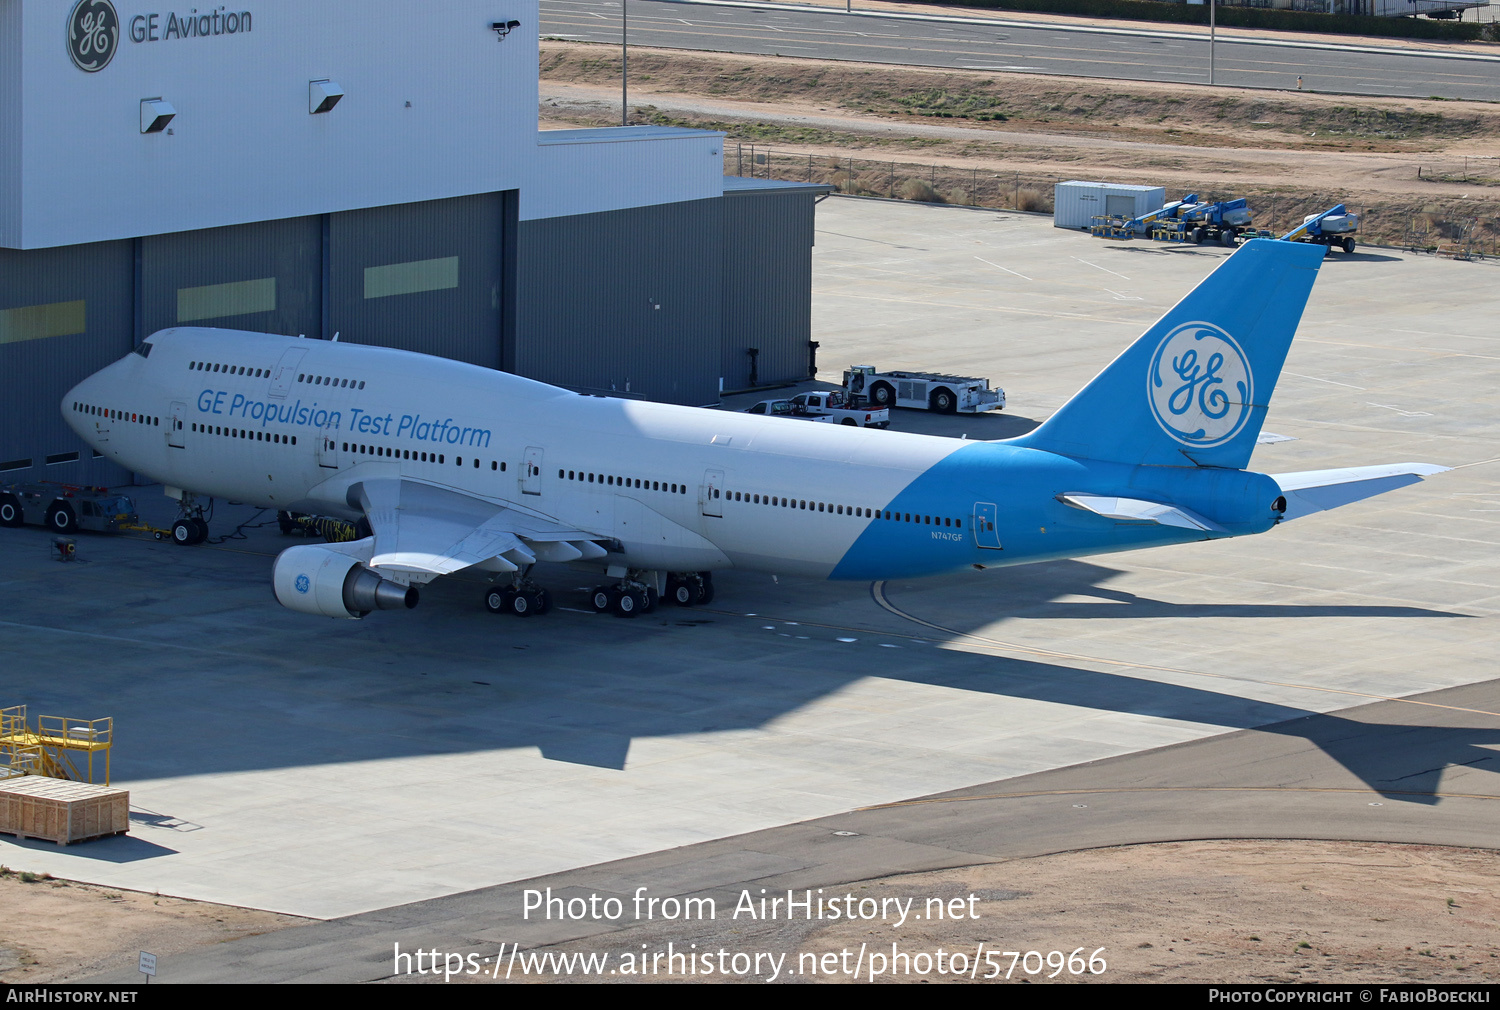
(317, 580)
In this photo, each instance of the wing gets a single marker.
(1312, 491)
(426, 530)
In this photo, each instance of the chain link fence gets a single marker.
(1459, 228)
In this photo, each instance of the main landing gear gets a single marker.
(522, 598)
(636, 594)
(190, 527)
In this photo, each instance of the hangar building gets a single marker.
(370, 169)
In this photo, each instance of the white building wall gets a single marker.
(10, 121)
(74, 166)
(613, 168)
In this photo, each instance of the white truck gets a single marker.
(786, 408)
(838, 405)
(941, 394)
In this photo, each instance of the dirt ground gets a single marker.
(1423, 172)
(1210, 911)
(58, 930)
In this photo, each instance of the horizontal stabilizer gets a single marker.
(1312, 491)
(1138, 510)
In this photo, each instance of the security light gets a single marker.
(322, 96)
(155, 115)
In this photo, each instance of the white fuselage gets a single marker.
(289, 423)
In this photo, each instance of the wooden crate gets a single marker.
(57, 810)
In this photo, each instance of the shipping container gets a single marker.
(1075, 204)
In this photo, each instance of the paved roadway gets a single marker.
(993, 44)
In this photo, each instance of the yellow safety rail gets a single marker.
(51, 748)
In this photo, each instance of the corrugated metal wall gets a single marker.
(657, 302)
(768, 240)
(625, 301)
(48, 341)
(263, 277)
(425, 277)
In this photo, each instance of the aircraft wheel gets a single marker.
(10, 511)
(543, 601)
(652, 599)
(285, 522)
(184, 532)
(603, 599)
(202, 531)
(62, 519)
(497, 599)
(523, 604)
(681, 593)
(705, 589)
(629, 603)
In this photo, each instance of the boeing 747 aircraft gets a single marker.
(456, 467)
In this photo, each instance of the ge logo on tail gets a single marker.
(1200, 385)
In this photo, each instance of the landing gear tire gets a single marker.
(684, 594)
(202, 528)
(524, 604)
(184, 532)
(285, 523)
(705, 589)
(10, 511)
(630, 602)
(603, 599)
(497, 600)
(652, 599)
(543, 601)
(62, 519)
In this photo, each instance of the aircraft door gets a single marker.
(286, 371)
(710, 492)
(531, 471)
(177, 426)
(985, 533)
(328, 446)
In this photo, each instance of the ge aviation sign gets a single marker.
(93, 34)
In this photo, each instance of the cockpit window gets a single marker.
(144, 350)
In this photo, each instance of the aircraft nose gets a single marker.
(76, 404)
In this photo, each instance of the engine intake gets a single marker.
(328, 583)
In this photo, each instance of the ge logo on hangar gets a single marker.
(93, 34)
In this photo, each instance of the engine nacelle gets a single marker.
(316, 580)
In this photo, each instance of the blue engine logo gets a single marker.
(303, 583)
(1200, 385)
(93, 34)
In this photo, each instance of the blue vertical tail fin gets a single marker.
(1193, 390)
